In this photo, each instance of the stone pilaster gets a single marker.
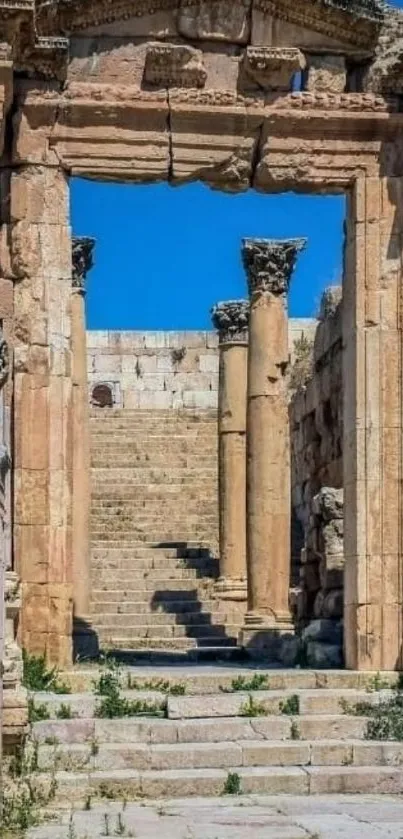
(231, 321)
(14, 697)
(372, 425)
(269, 265)
(85, 643)
(41, 264)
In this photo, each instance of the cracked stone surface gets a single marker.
(257, 817)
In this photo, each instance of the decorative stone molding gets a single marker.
(82, 253)
(174, 65)
(269, 263)
(231, 320)
(272, 68)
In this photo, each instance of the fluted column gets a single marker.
(84, 640)
(269, 265)
(231, 321)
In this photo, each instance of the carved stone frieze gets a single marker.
(82, 256)
(269, 263)
(272, 68)
(174, 65)
(231, 320)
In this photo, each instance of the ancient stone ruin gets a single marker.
(265, 94)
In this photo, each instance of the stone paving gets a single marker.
(244, 817)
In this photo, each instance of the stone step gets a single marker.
(157, 575)
(122, 625)
(146, 566)
(129, 784)
(204, 679)
(163, 591)
(330, 701)
(158, 621)
(231, 729)
(158, 648)
(93, 756)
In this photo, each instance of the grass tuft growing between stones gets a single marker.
(64, 712)
(290, 705)
(36, 675)
(37, 713)
(258, 682)
(112, 704)
(385, 719)
(232, 785)
(161, 685)
(251, 708)
(22, 802)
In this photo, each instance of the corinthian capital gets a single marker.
(269, 263)
(82, 252)
(231, 319)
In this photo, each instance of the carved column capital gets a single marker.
(83, 260)
(269, 263)
(4, 360)
(231, 319)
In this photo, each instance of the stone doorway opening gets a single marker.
(163, 387)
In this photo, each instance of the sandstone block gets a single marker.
(220, 21)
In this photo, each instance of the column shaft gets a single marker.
(268, 494)
(231, 319)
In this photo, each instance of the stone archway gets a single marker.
(178, 116)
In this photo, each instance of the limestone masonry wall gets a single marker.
(163, 370)
(316, 425)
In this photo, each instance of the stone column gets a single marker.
(269, 265)
(83, 636)
(231, 321)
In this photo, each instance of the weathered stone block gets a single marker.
(326, 73)
(273, 68)
(174, 65)
(221, 20)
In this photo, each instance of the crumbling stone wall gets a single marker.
(317, 489)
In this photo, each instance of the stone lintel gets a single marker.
(231, 320)
(174, 65)
(269, 263)
(82, 255)
(272, 68)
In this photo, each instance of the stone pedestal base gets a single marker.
(85, 640)
(228, 588)
(262, 636)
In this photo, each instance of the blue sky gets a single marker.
(165, 255)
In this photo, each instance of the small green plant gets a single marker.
(22, 801)
(64, 712)
(37, 677)
(251, 708)
(258, 682)
(161, 685)
(295, 732)
(232, 785)
(51, 741)
(37, 713)
(88, 803)
(178, 355)
(106, 831)
(120, 829)
(72, 832)
(112, 704)
(376, 683)
(290, 705)
(94, 746)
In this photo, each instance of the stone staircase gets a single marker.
(154, 532)
(299, 735)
